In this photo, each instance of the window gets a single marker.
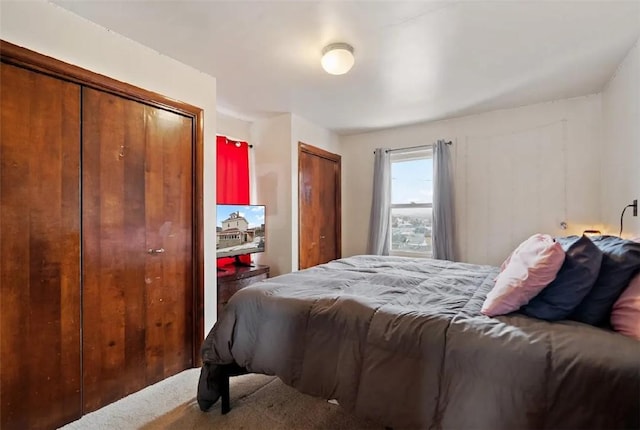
(411, 202)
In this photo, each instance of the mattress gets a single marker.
(402, 341)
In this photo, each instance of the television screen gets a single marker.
(239, 230)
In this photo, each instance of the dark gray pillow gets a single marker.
(575, 279)
(621, 259)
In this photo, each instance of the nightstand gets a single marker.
(234, 278)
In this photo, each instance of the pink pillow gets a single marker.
(505, 262)
(625, 314)
(531, 267)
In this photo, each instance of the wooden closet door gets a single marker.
(318, 206)
(40, 243)
(328, 201)
(137, 256)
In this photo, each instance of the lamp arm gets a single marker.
(633, 205)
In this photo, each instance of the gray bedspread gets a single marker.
(402, 341)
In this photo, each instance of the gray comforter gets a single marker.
(402, 341)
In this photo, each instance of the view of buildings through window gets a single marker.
(411, 203)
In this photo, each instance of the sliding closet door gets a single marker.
(137, 255)
(40, 257)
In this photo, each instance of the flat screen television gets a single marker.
(239, 230)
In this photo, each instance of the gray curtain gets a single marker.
(379, 235)
(443, 212)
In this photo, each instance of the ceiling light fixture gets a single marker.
(337, 58)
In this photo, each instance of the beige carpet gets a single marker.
(257, 402)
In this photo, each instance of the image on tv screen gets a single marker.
(239, 229)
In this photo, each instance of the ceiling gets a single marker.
(415, 61)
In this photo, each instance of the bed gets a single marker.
(402, 341)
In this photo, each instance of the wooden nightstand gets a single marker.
(234, 278)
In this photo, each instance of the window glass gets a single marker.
(411, 181)
(411, 230)
(411, 203)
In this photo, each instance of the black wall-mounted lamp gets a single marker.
(633, 205)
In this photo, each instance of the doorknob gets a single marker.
(155, 251)
(321, 237)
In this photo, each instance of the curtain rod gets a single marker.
(234, 141)
(414, 147)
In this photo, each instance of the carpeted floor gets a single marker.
(257, 402)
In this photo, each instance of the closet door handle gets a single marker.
(155, 251)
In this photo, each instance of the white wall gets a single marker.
(233, 128)
(620, 149)
(271, 139)
(53, 31)
(275, 143)
(517, 172)
(307, 132)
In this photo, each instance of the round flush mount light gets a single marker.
(337, 58)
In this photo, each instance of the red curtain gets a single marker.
(232, 179)
(232, 169)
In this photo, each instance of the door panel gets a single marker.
(113, 248)
(137, 217)
(319, 206)
(168, 199)
(310, 216)
(40, 250)
(327, 181)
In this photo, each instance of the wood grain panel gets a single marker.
(132, 156)
(310, 211)
(138, 196)
(40, 257)
(113, 263)
(169, 200)
(319, 206)
(328, 172)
